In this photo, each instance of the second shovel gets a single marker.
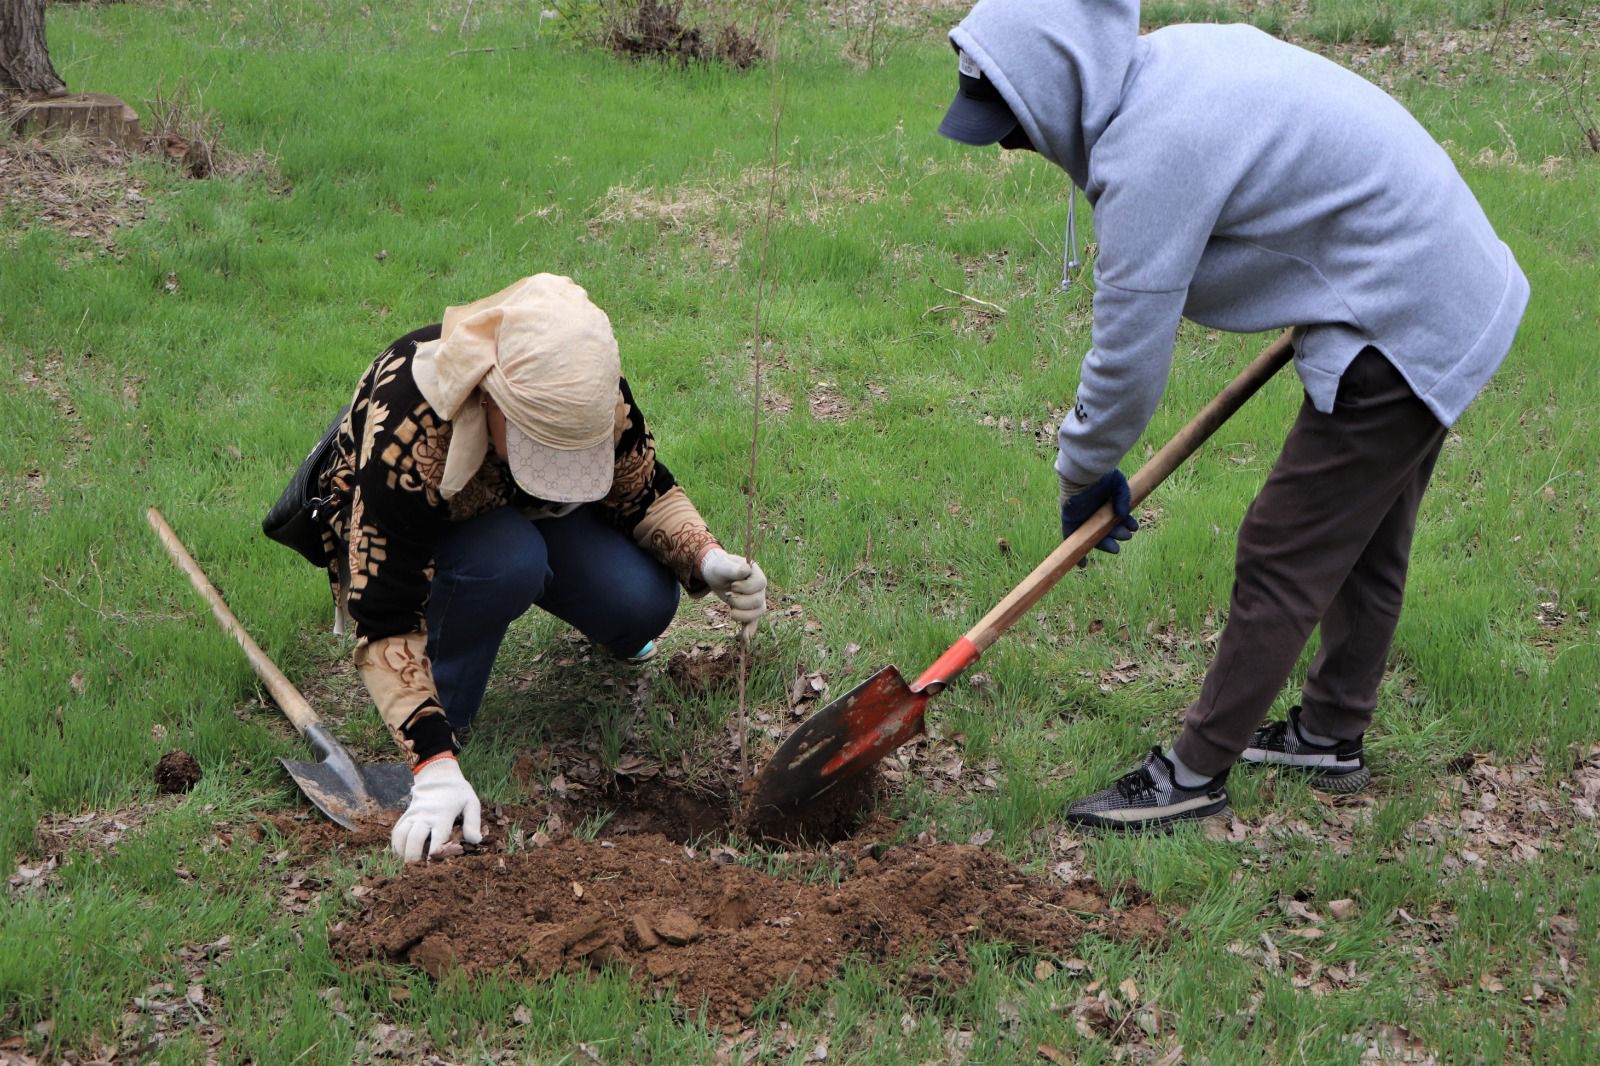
(877, 716)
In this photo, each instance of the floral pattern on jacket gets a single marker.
(388, 515)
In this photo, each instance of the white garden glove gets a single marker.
(439, 795)
(741, 585)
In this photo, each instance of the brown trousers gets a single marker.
(1326, 541)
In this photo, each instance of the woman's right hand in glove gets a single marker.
(439, 795)
(741, 585)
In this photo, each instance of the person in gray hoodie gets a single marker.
(1250, 185)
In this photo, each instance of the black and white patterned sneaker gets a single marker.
(1338, 767)
(1149, 798)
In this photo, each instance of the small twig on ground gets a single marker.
(973, 299)
(1500, 26)
(1042, 246)
(1572, 85)
(461, 30)
(140, 618)
(500, 48)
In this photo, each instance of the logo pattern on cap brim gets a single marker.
(559, 475)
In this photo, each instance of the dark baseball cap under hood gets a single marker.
(1059, 64)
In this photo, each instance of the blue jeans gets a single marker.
(490, 569)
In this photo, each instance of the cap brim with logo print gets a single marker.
(978, 115)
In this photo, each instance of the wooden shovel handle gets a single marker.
(1153, 473)
(283, 691)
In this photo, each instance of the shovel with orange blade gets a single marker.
(853, 732)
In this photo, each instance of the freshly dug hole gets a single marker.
(635, 805)
(632, 806)
(828, 818)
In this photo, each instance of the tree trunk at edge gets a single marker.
(24, 59)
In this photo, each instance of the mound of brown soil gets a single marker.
(177, 772)
(716, 933)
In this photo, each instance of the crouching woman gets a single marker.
(488, 464)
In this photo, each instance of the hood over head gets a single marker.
(1060, 66)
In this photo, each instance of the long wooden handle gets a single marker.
(1153, 473)
(283, 691)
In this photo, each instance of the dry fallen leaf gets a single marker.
(807, 687)
(1273, 961)
(1295, 909)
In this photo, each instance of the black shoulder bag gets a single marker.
(299, 517)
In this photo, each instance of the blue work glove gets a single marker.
(1078, 507)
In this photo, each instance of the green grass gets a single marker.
(648, 184)
(1372, 22)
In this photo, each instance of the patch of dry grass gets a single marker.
(180, 129)
(92, 188)
(72, 183)
(718, 212)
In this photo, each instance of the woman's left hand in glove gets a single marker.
(741, 585)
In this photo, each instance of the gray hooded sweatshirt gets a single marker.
(1248, 185)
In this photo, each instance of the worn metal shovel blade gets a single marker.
(345, 791)
(838, 742)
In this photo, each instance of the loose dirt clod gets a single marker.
(676, 927)
(644, 936)
(718, 933)
(176, 772)
(435, 955)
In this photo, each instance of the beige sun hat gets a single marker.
(547, 357)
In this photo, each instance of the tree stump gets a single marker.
(24, 58)
(98, 116)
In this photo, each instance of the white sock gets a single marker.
(1313, 738)
(1185, 777)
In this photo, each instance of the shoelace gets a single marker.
(1136, 784)
(1272, 737)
